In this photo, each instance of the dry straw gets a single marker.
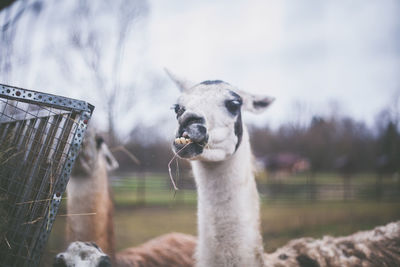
(169, 166)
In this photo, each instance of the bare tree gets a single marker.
(11, 13)
(104, 64)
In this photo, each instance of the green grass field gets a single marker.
(282, 220)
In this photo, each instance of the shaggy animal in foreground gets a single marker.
(212, 136)
(377, 247)
(89, 193)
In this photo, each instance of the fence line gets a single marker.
(148, 188)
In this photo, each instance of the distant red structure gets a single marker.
(286, 163)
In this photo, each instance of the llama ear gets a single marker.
(111, 162)
(255, 103)
(181, 83)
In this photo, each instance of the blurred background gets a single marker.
(327, 151)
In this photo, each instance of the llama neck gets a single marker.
(88, 195)
(228, 211)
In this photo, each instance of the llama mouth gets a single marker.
(190, 140)
(188, 148)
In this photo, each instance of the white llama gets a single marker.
(82, 254)
(212, 136)
(89, 192)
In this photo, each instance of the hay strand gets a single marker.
(169, 167)
(127, 152)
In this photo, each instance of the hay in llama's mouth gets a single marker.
(188, 148)
(182, 141)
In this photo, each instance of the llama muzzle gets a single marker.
(191, 137)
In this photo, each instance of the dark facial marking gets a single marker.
(212, 82)
(235, 109)
(239, 129)
(261, 104)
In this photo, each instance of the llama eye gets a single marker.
(178, 110)
(233, 106)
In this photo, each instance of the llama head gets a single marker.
(210, 119)
(82, 254)
(93, 149)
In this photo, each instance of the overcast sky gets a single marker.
(311, 55)
(311, 52)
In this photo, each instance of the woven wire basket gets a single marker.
(40, 137)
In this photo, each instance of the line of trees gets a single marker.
(335, 144)
(331, 144)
